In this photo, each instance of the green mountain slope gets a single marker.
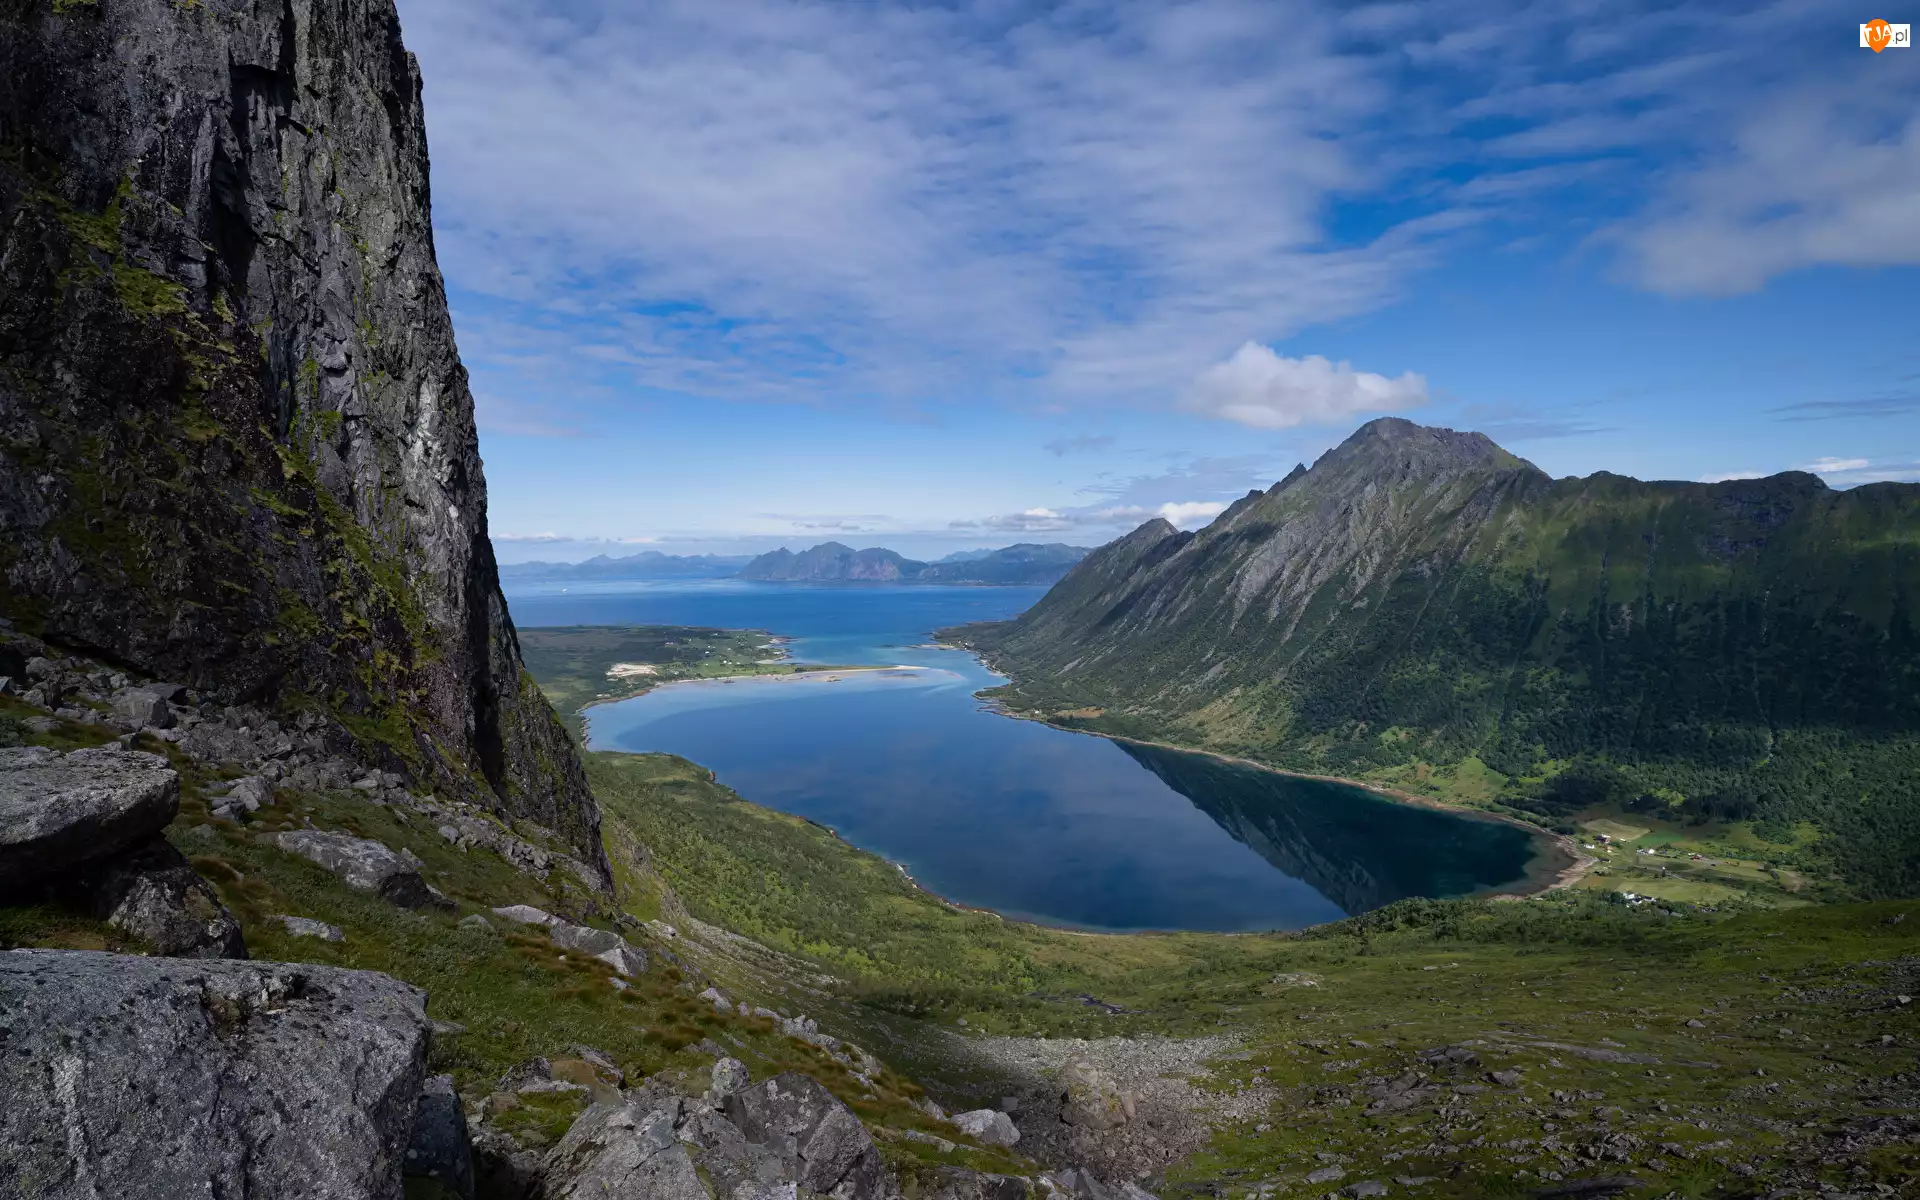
(1740, 649)
(1026, 562)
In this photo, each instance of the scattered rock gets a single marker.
(617, 1151)
(525, 914)
(1082, 1183)
(729, 1078)
(1695, 1023)
(987, 1125)
(824, 1144)
(1366, 1187)
(1504, 1078)
(250, 793)
(439, 1148)
(1092, 1100)
(532, 1071)
(602, 1063)
(477, 922)
(154, 894)
(130, 1076)
(57, 811)
(959, 1183)
(609, 948)
(1326, 1174)
(367, 865)
(142, 709)
(308, 928)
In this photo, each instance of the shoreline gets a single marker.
(1556, 863)
(1541, 875)
(800, 672)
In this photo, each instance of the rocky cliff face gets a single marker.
(237, 446)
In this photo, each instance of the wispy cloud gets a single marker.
(1819, 175)
(1730, 476)
(1260, 388)
(1889, 405)
(793, 199)
(534, 537)
(1506, 423)
(1080, 444)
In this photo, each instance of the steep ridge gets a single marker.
(1421, 595)
(237, 446)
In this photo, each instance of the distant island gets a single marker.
(832, 562)
(648, 564)
(829, 562)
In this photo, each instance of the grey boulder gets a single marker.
(130, 1076)
(367, 865)
(1091, 1100)
(439, 1148)
(57, 811)
(250, 793)
(140, 708)
(609, 948)
(729, 1077)
(526, 914)
(618, 1152)
(987, 1125)
(824, 1144)
(154, 894)
(307, 927)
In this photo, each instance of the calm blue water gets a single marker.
(1004, 814)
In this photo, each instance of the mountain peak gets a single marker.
(1418, 449)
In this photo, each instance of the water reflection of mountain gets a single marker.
(1357, 849)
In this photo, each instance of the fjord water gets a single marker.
(1012, 815)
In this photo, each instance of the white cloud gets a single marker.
(1729, 476)
(1836, 466)
(1186, 514)
(1821, 176)
(1260, 388)
(1193, 513)
(534, 537)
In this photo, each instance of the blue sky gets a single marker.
(731, 274)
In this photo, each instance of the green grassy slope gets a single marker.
(1421, 597)
(1798, 1069)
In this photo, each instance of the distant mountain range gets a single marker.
(829, 562)
(832, 562)
(1422, 600)
(648, 564)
